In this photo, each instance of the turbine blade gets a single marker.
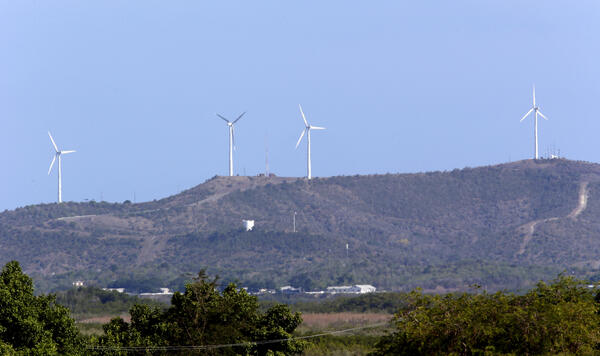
(542, 115)
(303, 117)
(222, 118)
(317, 128)
(529, 112)
(239, 117)
(300, 139)
(51, 164)
(65, 152)
(53, 143)
(534, 95)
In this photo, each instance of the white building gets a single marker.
(163, 291)
(120, 290)
(365, 288)
(248, 224)
(355, 289)
(339, 289)
(78, 283)
(289, 290)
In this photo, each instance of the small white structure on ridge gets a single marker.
(248, 224)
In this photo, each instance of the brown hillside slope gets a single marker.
(395, 222)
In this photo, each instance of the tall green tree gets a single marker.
(557, 318)
(33, 325)
(203, 316)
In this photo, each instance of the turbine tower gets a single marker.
(58, 154)
(231, 140)
(306, 130)
(536, 110)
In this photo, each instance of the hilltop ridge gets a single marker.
(503, 226)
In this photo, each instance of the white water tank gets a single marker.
(248, 224)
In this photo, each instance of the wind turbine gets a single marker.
(231, 140)
(58, 154)
(306, 130)
(536, 110)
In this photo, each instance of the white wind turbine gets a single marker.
(536, 110)
(231, 140)
(306, 130)
(57, 154)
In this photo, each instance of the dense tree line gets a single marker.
(557, 318)
(37, 325)
(204, 316)
(368, 303)
(560, 317)
(90, 301)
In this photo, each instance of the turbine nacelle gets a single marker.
(230, 125)
(307, 128)
(535, 109)
(58, 153)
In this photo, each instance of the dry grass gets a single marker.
(329, 321)
(103, 319)
(355, 343)
(310, 320)
(93, 325)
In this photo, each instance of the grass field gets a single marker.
(353, 343)
(93, 325)
(335, 321)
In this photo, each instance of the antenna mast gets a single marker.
(266, 155)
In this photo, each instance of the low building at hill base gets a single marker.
(120, 290)
(355, 289)
(290, 290)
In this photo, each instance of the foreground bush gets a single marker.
(203, 316)
(33, 325)
(561, 317)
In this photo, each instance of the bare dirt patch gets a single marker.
(529, 228)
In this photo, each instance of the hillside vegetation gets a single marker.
(503, 226)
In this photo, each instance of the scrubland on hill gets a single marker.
(502, 227)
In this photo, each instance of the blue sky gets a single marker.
(401, 86)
